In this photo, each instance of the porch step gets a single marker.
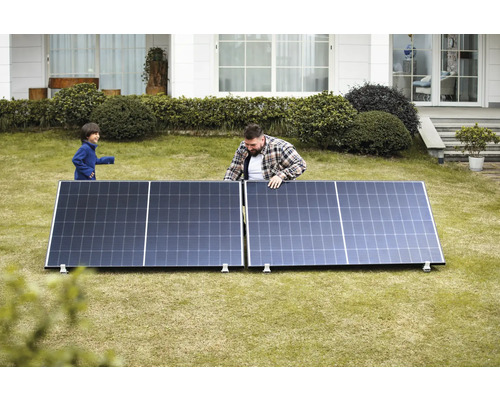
(446, 128)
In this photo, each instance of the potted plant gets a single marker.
(474, 140)
(155, 71)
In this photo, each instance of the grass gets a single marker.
(382, 316)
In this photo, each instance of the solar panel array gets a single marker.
(135, 224)
(306, 223)
(200, 224)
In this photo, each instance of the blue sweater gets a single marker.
(85, 160)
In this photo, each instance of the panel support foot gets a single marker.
(62, 269)
(267, 268)
(427, 266)
(225, 268)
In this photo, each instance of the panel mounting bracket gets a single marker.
(62, 269)
(427, 266)
(267, 268)
(225, 268)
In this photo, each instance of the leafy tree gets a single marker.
(26, 320)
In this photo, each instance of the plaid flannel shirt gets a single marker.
(279, 158)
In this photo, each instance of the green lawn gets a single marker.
(383, 316)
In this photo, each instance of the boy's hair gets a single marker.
(253, 131)
(88, 129)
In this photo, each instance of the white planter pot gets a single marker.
(476, 163)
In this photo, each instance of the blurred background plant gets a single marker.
(27, 317)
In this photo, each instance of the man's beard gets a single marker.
(254, 153)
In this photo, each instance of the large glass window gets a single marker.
(117, 60)
(459, 62)
(121, 62)
(412, 65)
(273, 63)
(72, 56)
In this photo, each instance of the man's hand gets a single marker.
(275, 182)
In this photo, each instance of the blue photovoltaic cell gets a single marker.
(195, 224)
(161, 224)
(388, 223)
(98, 224)
(306, 223)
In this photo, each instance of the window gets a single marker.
(117, 60)
(72, 55)
(412, 65)
(273, 63)
(121, 62)
(459, 61)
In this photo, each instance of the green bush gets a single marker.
(320, 119)
(19, 114)
(73, 106)
(210, 113)
(374, 97)
(376, 133)
(124, 118)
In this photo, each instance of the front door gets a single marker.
(459, 72)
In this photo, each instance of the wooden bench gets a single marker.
(62, 83)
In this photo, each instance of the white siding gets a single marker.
(493, 70)
(353, 61)
(28, 67)
(192, 65)
(4, 67)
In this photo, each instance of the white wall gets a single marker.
(493, 70)
(192, 65)
(28, 64)
(352, 61)
(5, 67)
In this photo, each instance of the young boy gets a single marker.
(85, 158)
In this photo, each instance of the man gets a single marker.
(263, 157)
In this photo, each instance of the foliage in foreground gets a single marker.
(23, 306)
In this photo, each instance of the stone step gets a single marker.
(457, 155)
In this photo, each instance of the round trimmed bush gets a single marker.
(374, 97)
(124, 118)
(72, 106)
(376, 133)
(320, 119)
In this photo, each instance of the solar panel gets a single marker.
(98, 224)
(307, 223)
(131, 223)
(195, 224)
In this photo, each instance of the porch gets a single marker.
(439, 125)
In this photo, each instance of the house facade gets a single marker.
(431, 69)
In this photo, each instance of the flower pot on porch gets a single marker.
(476, 163)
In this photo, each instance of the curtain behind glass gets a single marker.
(121, 62)
(72, 55)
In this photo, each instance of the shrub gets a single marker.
(19, 114)
(376, 133)
(72, 106)
(475, 139)
(27, 319)
(320, 119)
(374, 97)
(124, 118)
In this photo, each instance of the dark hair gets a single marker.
(88, 129)
(253, 131)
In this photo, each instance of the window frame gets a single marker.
(273, 92)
